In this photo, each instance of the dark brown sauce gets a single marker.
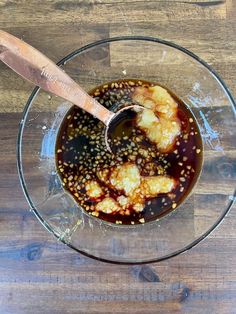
(81, 153)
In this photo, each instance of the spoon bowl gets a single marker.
(120, 125)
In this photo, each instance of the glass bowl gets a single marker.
(198, 86)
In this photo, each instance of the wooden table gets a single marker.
(38, 274)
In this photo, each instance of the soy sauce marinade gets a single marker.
(91, 174)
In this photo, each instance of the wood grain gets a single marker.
(38, 274)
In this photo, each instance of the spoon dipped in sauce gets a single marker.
(35, 67)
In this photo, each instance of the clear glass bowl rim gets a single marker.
(34, 94)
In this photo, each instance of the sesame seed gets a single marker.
(94, 157)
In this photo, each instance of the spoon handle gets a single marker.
(38, 69)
